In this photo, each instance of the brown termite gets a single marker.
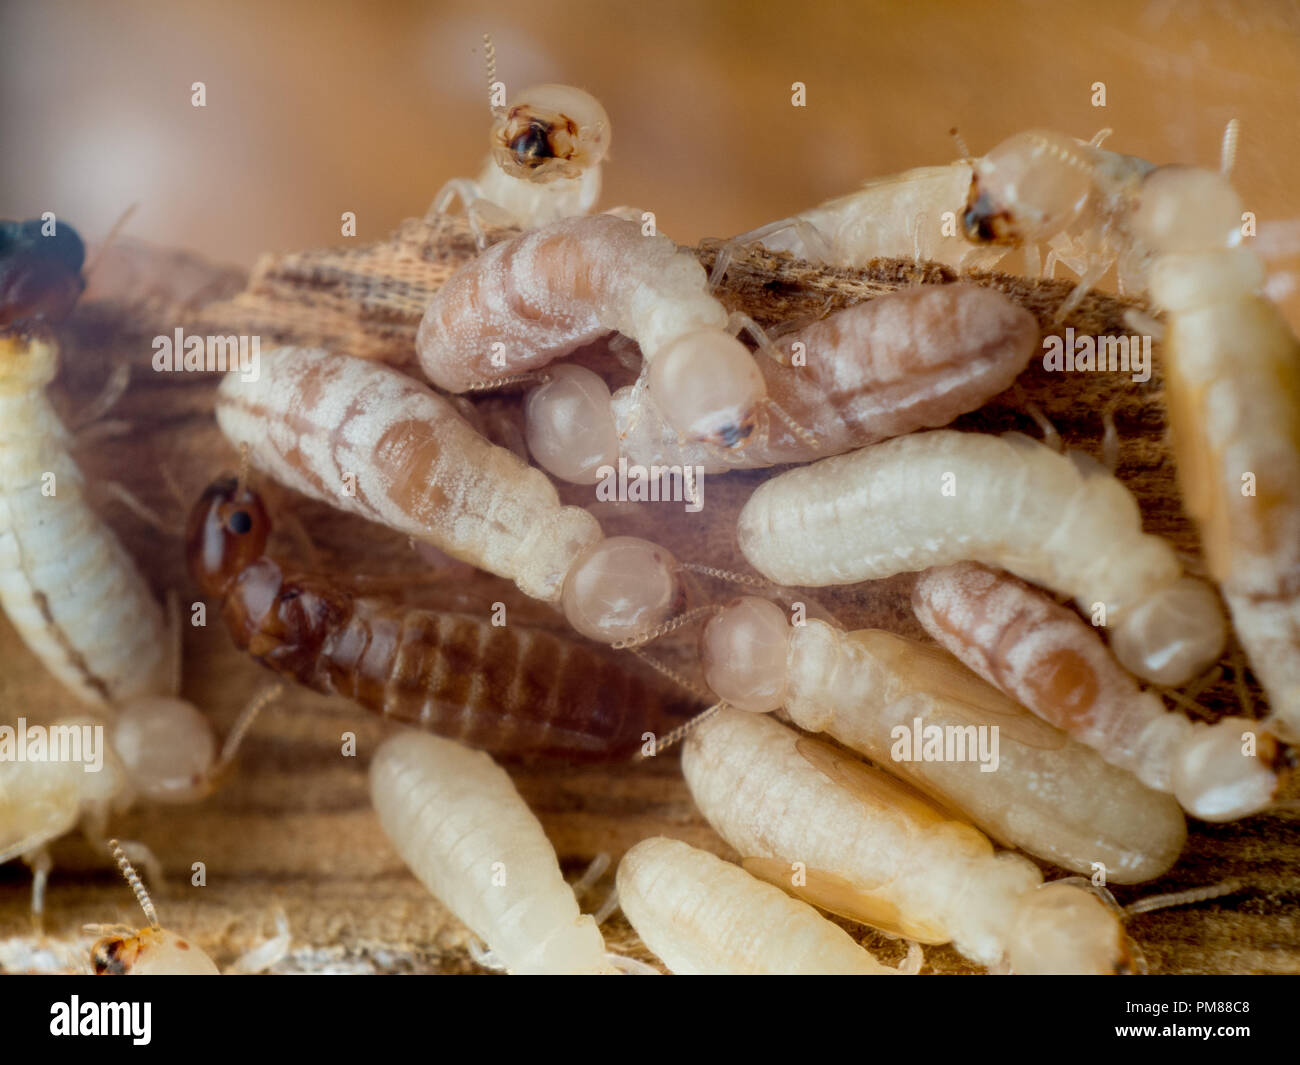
(547, 146)
(1055, 664)
(919, 713)
(372, 441)
(913, 359)
(509, 689)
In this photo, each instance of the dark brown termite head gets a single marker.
(227, 533)
(984, 222)
(549, 132)
(114, 955)
(40, 272)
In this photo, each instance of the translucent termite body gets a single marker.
(703, 916)
(851, 840)
(511, 689)
(152, 951)
(369, 440)
(537, 297)
(900, 216)
(1052, 662)
(1233, 388)
(1024, 783)
(458, 822)
(66, 583)
(913, 359)
(931, 499)
(547, 146)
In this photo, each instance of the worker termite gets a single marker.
(1025, 784)
(934, 498)
(372, 441)
(547, 146)
(458, 822)
(152, 951)
(908, 360)
(869, 848)
(511, 689)
(896, 217)
(1233, 387)
(539, 296)
(1046, 657)
(703, 916)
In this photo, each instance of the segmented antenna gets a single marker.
(245, 722)
(490, 64)
(121, 222)
(1182, 898)
(1228, 150)
(135, 883)
(961, 143)
(242, 479)
(683, 730)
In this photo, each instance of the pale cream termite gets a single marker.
(66, 583)
(703, 917)
(851, 840)
(370, 440)
(1046, 657)
(547, 146)
(537, 297)
(918, 712)
(458, 822)
(1233, 390)
(896, 217)
(930, 499)
(152, 951)
(908, 360)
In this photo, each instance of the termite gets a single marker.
(461, 826)
(151, 951)
(930, 499)
(703, 917)
(537, 297)
(1023, 782)
(370, 440)
(1233, 388)
(1052, 662)
(895, 217)
(849, 839)
(908, 360)
(40, 275)
(511, 689)
(547, 146)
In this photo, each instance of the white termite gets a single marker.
(1233, 389)
(547, 146)
(703, 916)
(851, 840)
(930, 499)
(151, 951)
(1050, 660)
(919, 713)
(458, 822)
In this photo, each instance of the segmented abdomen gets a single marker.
(509, 689)
(66, 583)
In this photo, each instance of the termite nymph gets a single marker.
(152, 951)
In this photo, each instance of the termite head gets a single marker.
(1173, 635)
(40, 276)
(708, 387)
(743, 651)
(1065, 930)
(227, 533)
(29, 358)
(622, 588)
(1187, 209)
(549, 132)
(1028, 188)
(1230, 770)
(150, 952)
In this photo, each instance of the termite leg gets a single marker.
(1050, 436)
(265, 955)
(815, 245)
(40, 863)
(467, 190)
(1087, 279)
(1109, 439)
(594, 872)
(738, 322)
(116, 490)
(1140, 322)
(114, 389)
(911, 965)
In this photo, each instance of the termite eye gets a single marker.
(240, 522)
(533, 145)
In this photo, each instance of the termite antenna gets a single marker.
(1100, 137)
(594, 872)
(682, 731)
(666, 670)
(730, 576)
(490, 65)
(1182, 898)
(671, 625)
(242, 480)
(245, 721)
(805, 437)
(1051, 437)
(490, 383)
(961, 144)
(1228, 149)
(135, 883)
(113, 232)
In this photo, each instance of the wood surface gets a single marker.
(293, 830)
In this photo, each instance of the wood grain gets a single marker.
(294, 831)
